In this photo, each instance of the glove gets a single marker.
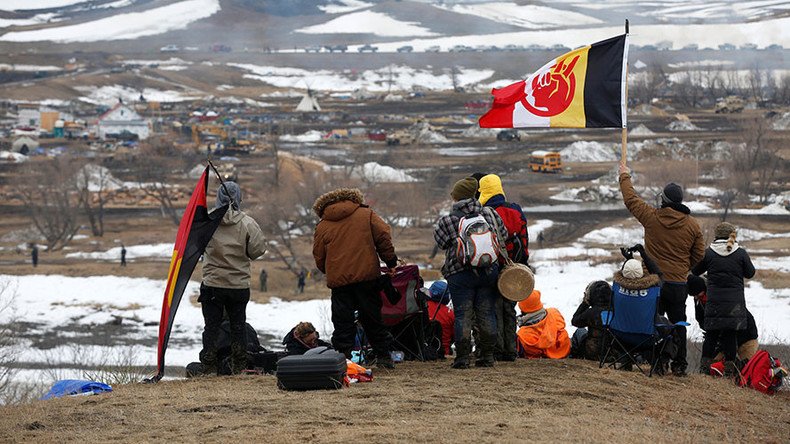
(639, 248)
(627, 253)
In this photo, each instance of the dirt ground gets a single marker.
(536, 400)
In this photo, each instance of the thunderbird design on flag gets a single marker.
(584, 88)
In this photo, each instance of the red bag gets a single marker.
(763, 373)
(406, 281)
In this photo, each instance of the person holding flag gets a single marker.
(226, 279)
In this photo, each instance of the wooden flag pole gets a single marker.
(624, 138)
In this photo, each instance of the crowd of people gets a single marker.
(467, 315)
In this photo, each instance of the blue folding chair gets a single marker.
(631, 329)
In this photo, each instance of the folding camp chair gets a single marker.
(631, 329)
(406, 317)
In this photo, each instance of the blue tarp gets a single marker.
(71, 387)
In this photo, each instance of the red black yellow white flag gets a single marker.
(584, 88)
(194, 233)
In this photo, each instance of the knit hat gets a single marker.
(724, 230)
(464, 189)
(673, 193)
(439, 292)
(490, 186)
(532, 303)
(223, 197)
(696, 285)
(632, 269)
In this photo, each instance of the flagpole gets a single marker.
(624, 137)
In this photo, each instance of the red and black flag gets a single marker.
(584, 88)
(194, 233)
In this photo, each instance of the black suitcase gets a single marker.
(318, 369)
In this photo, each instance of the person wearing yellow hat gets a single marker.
(492, 195)
(541, 332)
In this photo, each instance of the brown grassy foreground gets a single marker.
(527, 400)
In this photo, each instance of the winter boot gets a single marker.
(238, 359)
(209, 361)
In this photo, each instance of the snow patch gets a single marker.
(524, 16)
(368, 22)
(375, 172)
(132, 252)
(583, 151)
(123, 26)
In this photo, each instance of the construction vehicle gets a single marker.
(207, 131)
(729, 104)
(545, 162)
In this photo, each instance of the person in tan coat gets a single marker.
(226, 279)
(348, 244)
(673, 239)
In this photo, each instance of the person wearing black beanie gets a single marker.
(673, 239)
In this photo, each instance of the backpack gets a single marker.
(763, 373)
(478, 246)
(517, 243)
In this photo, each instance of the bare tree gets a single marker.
(8, 350)
(159, 163)
(47, 192)
(95, 187)
(647, 86)
(755, 80)
(756, 162)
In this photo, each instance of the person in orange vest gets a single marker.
(541, 332)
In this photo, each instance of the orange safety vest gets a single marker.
(546, 339)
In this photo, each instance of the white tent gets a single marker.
(308, 103)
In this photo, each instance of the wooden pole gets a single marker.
(624, 138)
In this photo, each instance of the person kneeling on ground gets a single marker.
(586, 341)
(541, 332)
(226, 279)
(441, 315)
(746, 339)
(301, 338)
(727, 265)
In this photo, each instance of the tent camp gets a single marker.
(24, 145)
(308, 103)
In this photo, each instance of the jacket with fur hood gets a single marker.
(350, 239)
(672, 237)
(726, 305)
(237, 241)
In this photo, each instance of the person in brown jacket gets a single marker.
(673, 239)
(348, 242)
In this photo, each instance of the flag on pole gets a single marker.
(585, 88)
(194, 233)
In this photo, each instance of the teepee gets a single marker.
(308, 103)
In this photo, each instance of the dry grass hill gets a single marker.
(535, 400)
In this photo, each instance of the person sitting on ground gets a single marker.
(441, 314)
(301, 338)
(727, 265)
(746, 339)
(541, 332)
(587, 339)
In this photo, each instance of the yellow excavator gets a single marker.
(199, 131)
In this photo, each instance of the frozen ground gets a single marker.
(368, 22)
(120, 26)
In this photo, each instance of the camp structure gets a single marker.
(308, 103)
(122, 119)
(24, 145)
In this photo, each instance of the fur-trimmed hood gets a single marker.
(353, 195)
(646, 281)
